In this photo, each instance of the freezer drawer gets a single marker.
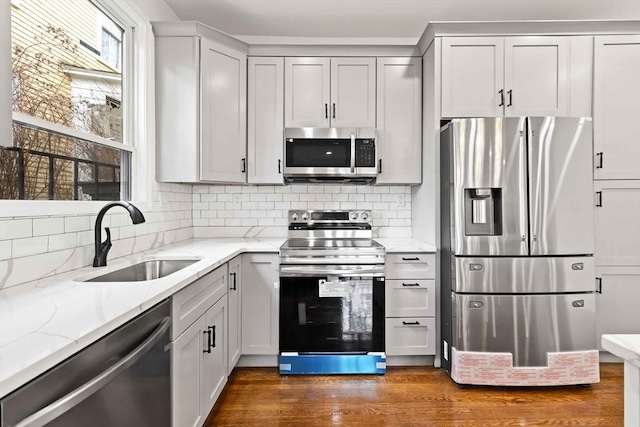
(529, 275)
(528, 326)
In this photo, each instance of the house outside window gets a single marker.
(69, 139)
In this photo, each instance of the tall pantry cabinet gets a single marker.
(616, 125)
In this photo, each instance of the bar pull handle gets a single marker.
(510, 92)
(599, 199)
(244, 165)
(410, 323)
(411, 284)
(411, 259)
(599, 280)
(208, 334)
(334, 110)
(279, 166)
(501, 92)
(599, 160)
(380, 166)
(234, 281)
(326, 111)
(212, 329)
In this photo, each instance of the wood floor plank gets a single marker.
(411, 396)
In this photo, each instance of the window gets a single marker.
(70, 141)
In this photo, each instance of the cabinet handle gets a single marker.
(510, 98)
(208, 334)
(501, 92)
(326, 111)
(599, 199)
(411, 284)
(411, 259)
(410, 323)
(279, 166)
(244, 165)
(599, 280)
(334, 110)
(599, 157)
(212, 329)
(234, 281)
(380, 166)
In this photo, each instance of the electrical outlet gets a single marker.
(400, 201)
(163, 200)
(237, 201)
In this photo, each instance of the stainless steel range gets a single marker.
(331, 295)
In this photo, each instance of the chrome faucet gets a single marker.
(102, 249)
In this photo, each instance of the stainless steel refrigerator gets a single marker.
(517, 266)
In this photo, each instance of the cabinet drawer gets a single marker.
(410, 298)
(194, 300)
(410, 266)
(410, 336)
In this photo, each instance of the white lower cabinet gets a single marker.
(234, 298)
(618, 303)
(410, 305)
(260, 304)
(199, 348)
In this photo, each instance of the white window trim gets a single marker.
(137, 88)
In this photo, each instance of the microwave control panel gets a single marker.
(365, 153)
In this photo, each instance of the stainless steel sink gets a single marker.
(147, 270)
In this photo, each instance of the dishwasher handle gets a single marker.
(64, 404)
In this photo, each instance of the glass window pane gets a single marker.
(61, 72)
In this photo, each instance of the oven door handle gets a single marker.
(331, 270)
(72, 399)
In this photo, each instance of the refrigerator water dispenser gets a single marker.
(483, 211)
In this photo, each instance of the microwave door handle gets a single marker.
(353, 153)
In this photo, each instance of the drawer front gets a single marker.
(410, 298)
(410, 336)
(410, 266)
(194, 300)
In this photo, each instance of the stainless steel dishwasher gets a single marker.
(121, 380)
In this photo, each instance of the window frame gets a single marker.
(137, 88)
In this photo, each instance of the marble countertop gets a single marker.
(44, 322)
(625, 346)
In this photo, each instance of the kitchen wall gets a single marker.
(261, 211)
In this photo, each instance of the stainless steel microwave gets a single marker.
(330, 155)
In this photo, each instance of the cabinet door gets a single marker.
(260, 303)
(536, 76)
(616, 107)
(223, 114)
(235, 314)
(399, 139)
(306, 92)
(214, 356)
(265, 120)
(617, 223)
(472, 76)
(186, 376)
(617, 304)
(353, 92)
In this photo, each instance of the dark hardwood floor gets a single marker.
(415, 396)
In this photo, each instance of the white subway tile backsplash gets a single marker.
(47, 226)
(29, 246)
(16, 229)
(77, 223)
(5, 249)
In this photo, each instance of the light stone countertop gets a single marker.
(46, 321)
(625, 346)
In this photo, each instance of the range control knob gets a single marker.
(364, 216)
(294, 216)
(305, 216)
(353, 215)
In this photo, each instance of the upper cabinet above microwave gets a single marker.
(330, 92)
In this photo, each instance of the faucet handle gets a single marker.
(108, 240)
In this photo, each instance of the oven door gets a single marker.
(342, 312)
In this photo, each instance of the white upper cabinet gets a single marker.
(265, 136)
(330, 92)
(201, 98)
(616, 107)
(399, 121)
(505, 76)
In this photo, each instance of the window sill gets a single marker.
(46, 208)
